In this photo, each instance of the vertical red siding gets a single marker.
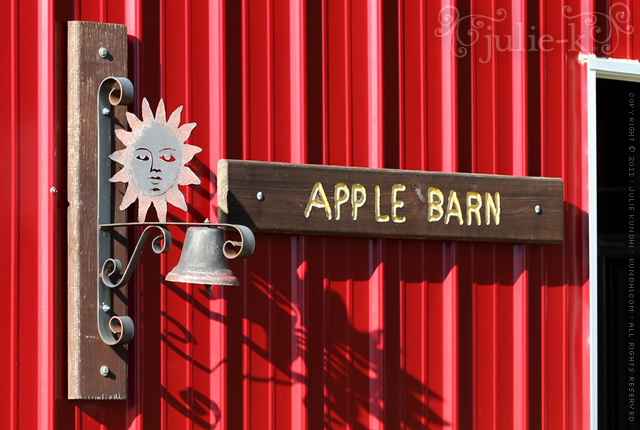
(323, 332)
(217, 309)
(9, 176)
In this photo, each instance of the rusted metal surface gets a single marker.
(322, 332)
(202, 260)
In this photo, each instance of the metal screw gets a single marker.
(103, 52)
(106, 111)
(106, 308)
(53, 190)
(260, 196)
(537, 209)
(104, 370)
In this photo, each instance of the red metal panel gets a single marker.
(300, 248)
(45, 214)
(512, 275)
(484, 143)
(339, 401)
(442, 287)
(413, 300)
(577, 228)
(621, 36)
(178, 332)
(554, 338)
(259, 295)
(323, 332)
(9, 121)
(217, 132)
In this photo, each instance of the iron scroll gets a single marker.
(113, 329)
(120, 329)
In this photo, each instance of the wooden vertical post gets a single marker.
(87, 353)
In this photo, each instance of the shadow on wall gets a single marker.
(332, 363)
(332, 358)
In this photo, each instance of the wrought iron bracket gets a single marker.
(98, 261)
(116, 329)
(119, 329)
(113, 329)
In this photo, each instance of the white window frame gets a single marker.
(620, 70)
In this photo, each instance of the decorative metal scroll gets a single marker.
(119, 329)
(113, 329)
(154, 165)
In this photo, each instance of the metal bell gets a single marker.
(202, 260)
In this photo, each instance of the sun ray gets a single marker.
(161, 209)
(130, 196)
(143, 206)
(161, 114)
(188, 152)
(185, 131)
(134, 123)
(176, 198)
(120, 176)
(187, 177)
(174, 119)
(126, 137)
(120, 156)
(147, 115)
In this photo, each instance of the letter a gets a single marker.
(318, 203)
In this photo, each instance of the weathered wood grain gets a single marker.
(287, 189)
(86, 351)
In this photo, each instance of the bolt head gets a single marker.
(102, 52)
(260, 196)
(53, 190)
(106, 111)
(538, 209)
(106, 308)
(104, 371)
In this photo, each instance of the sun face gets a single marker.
(154, 161)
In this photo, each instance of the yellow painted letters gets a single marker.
(397, 204)
(379, 218)
(435, 206)
(453, 208)
(474, 203)
(341, 196)
(358, 199)
(492, 208)
(314, 202)
(439, 207)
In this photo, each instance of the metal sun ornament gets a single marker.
(154, 160)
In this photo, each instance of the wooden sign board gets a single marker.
(350, 201)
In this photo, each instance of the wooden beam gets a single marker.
(331, 200)
(87, 353)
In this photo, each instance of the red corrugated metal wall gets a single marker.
(323, 332)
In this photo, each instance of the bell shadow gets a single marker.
(345, 354)
(195, 405)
